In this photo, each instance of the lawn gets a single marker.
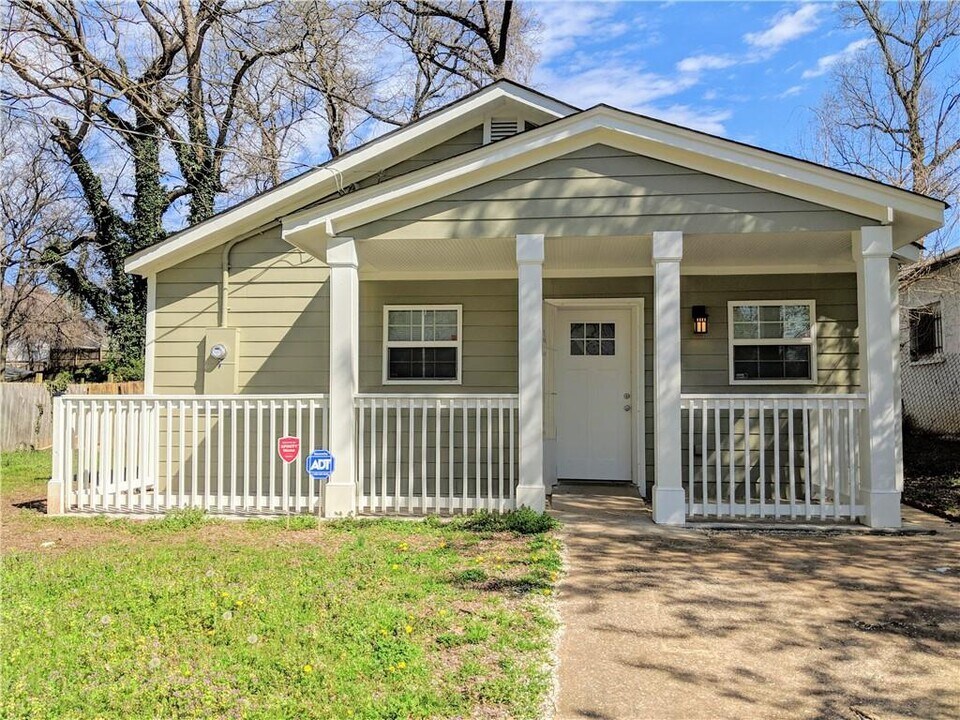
(187, 617)
(24, 470)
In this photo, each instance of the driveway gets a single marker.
(680, 623)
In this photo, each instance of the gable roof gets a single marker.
(299, 202)
(913, 215)
(350, 167)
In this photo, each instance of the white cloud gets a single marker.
(624, 86)
(566, 24)
(635, 89)
(786, 27)
(790, 92)
(698, 63)
(709, 121)
(826, 63)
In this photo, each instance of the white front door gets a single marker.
(594, 407)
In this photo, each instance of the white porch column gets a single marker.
(669, 505)
(897, 378)
(530, 491)
(341, 490)
(879, 491)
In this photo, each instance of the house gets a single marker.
(930, 344)
(508, 293)
(48, 333)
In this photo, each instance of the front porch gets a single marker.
(819, 454)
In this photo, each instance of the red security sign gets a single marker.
(288, 448)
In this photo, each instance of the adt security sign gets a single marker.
(320, 464)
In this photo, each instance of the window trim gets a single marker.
(387, 344)
(810, 341)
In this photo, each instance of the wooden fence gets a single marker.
(26, 411)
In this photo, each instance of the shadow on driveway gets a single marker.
(682, 623)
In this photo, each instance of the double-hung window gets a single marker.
(422, 344)
(773, 342)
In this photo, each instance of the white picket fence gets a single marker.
(772, 456)
(149, 454)
(436, 453)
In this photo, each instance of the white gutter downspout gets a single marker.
(225, 282)
(223, 313)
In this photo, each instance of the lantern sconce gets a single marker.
(700, 319)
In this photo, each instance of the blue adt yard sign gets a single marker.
(320, 464)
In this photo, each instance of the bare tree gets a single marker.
(453, 47)
(37, 210)
(893, 113)
(142, 79)
(160, 108)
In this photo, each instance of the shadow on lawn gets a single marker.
(793, 624)
(39, 505)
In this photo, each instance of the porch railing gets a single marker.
(444, 453)
(772, 456)
(151, 454)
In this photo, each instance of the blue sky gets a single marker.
(748, 71)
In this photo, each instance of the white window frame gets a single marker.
(387, 344)
(809, 341)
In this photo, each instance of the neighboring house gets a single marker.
(42, 357)
(930, 345)
(508, 293)
(50, 333)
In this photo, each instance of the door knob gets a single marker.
(627, 408)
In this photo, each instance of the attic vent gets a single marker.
(501, 128)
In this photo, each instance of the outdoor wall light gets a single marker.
(700, 319)
(218, 352)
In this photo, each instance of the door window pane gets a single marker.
(593, 338)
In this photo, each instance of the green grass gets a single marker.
(187, 617)
(24, 469)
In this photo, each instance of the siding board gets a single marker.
(278, 299)
(632, 194)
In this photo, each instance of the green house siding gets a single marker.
(279, 302)
(604, 191)
(489, 331)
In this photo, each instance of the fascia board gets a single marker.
(774, 165)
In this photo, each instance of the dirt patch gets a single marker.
(24, 525)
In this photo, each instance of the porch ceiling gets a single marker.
(616, 255)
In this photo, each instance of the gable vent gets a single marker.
(501, 128)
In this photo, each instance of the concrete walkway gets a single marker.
(679, 623)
